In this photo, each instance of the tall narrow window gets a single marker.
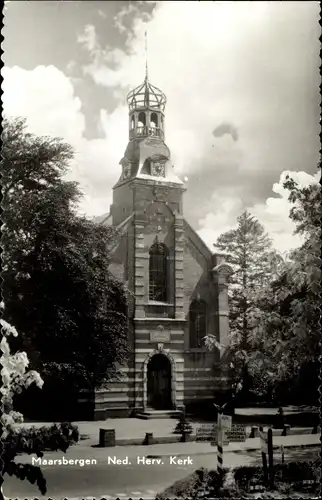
(197, 322)
(158, 257)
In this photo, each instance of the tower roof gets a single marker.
(145, 96)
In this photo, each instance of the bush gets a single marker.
(211, 487)
(201, 484)
(296, 472)
(245, 474)
(31, 440)
(184, 487)
(290, 473)
(206, 484)
(183, 426)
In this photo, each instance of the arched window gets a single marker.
(158, 257)
(141, 119)
(197, 322)
(154, 120)
(132, 123)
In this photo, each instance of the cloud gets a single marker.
(46, 97)
(250, 64)
(226, 128)
(273, 214)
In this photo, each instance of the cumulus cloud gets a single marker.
(273, 214)
(45, 96)
(224, 129)
(250, 64)
(253, 65)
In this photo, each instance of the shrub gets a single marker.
(17, 440)
(205, 484)
(201, 484)
(183, 426)
(245, 474)
(184, 488)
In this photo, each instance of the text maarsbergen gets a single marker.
(81, 462)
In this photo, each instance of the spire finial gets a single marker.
(146, 55)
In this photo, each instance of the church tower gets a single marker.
(147, 159)
(178, 287)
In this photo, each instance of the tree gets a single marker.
(288, 317)
(249, 250)
(58, 290)
(15, 440)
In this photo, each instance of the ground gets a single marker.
(128, 481)
(134, 480)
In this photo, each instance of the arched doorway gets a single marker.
(159, 383)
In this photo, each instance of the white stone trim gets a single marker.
(148, 341)
(173, 377)
(147, 350)
(197, 369)
(141, 359)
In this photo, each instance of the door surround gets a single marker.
(145, 377)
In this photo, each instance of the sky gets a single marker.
(242, 86)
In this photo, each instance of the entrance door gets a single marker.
(159, 383)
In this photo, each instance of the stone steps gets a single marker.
(155, 414)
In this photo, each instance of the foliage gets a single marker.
(14, 377)
(17, 440)
(205, 483)
(288, 314)
(275, 304)
(202, 483)
(59, 292)
(183, 426)
(184, 488)
(249, 251)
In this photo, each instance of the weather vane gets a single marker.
(146, 55)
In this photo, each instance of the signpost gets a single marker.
(226, 433)
(225, 422)
(237, 434)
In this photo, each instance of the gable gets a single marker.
(197, 246)
(103, 219)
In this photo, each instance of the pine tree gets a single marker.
(250, 253)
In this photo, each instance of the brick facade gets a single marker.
(148, 208)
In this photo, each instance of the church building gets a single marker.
(179, 287)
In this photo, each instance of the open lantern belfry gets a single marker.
(178, 285)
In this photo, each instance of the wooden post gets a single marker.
(264, 457)
(264, 461)
(270, 458)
